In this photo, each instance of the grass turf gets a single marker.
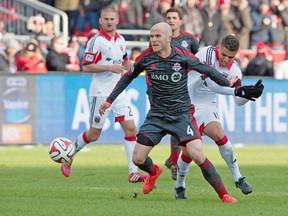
(32, 184)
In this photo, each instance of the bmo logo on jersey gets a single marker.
(175, 77)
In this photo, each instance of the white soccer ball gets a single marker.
(61, 150)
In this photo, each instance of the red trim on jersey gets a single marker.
(190, 34)
(125, 74)
(120, 118)
(131, 138)
(144, 53)
(109, 101)
(217, 57)
(90, 58)
(185, 52)
(201, 128)
(222, 142)
(237, 84)
(99, 57)
(107, 36)
(186, 159)
(147, 80)
(125, 59)
(85, 138)
(203, 76)
(193, 121)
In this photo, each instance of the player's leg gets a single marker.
(171, 162)
(183, 165)
(145, 163)
(92, 134)
(96, 122)
(194, 150)
(149, 135)
(124, 115)
(83, 139)
(130, 130)
(214, 130)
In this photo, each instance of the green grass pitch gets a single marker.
(32, 184)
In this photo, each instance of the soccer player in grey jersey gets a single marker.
(171, 111)
(189, 42)
(180, 38)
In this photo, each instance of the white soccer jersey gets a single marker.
(199, 90)
(102, 49)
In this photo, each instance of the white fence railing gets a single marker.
(15, 14)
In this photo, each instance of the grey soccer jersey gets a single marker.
(186, 41)
(166, 80)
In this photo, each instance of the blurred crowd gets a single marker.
(260, 25)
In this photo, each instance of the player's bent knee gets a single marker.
(137, 161)
(198, 157)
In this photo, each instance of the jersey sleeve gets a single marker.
(201, 54)
(219, 89)
(125, 56)
(196, 64)
(194, 47)
(92, 53)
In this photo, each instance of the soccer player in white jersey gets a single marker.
(203, 92)
(106, 57)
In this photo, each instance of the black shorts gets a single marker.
(183, 128)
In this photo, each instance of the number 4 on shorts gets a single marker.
(190, 131)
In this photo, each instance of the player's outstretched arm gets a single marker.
(203, 68)
(241, 94)
(214, 87)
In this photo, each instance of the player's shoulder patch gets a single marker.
(89, 57)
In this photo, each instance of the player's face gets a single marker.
(159, 40)
(109, 21)
(174, 21)
(226, 56)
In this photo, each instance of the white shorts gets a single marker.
(120, 109)
(205, 116)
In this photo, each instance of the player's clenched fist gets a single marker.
(117, 68)
(250, 92)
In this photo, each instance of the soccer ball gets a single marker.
(61, 150)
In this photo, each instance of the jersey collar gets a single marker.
(217, 57)
(107, 36)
